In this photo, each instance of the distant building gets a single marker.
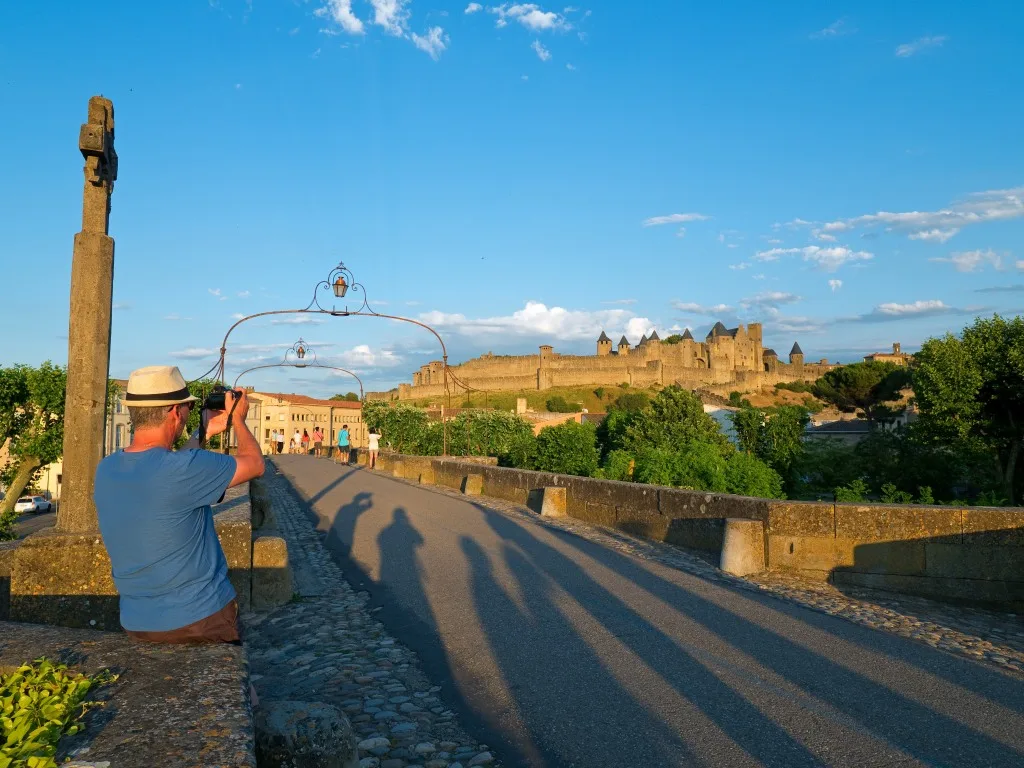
(269, 411)
(897, 356)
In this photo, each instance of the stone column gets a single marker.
(92, 282)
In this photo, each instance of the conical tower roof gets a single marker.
(718, 330)
(643, 340)
(796, 349)
(654, 336)
(623, 342)
(687, 335)
(604, 337)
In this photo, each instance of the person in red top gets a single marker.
(318, 441)
(305, 443)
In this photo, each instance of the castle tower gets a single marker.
(654, 337)
(771, 360)
(623, 346)
(604, 345)
(896, 348)
(796, 355)
(687, 336)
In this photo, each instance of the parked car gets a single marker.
(33, 504)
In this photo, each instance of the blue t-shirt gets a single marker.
(343, 438)
(157, 525)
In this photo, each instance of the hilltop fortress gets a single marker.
(729, 359)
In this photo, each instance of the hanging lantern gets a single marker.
(340, 286)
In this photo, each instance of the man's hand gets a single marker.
(216, 422)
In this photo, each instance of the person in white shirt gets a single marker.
(373, 446)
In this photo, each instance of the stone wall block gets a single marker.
(473, 485)
(271, 575)
(234, 529)
(801, 519)
(877, 522)
(993, 526)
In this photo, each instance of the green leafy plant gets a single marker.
(568, 448)
(854, 491)
(39, 703)
(599, 393)
(925, 495)
(892, 495)
(559, 404)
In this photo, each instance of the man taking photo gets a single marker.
(154, 513)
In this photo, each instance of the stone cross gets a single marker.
(92, 285)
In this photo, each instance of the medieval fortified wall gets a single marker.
(727, 360)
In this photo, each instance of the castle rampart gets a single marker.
(727, 360)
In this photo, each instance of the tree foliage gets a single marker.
(970, 392)
(559, 404)
(350, 397)
(568, 448)
(675, 418)
(32, 426)
(863, 386)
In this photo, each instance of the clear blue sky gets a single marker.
(850, 175)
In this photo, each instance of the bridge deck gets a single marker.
(563, 652)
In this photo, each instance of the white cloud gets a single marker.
(213, 291)
(524, 78)
(921, 44)
(674, 218)
(940, 225)
(637, 327)
(739, 267)
(933, 235)
(537, 319)
(767, 299)
(835, 285)
(340, 11)
(694, 308)
(827, 259)
(243, 294)
(362, 357)
(237, 316)
(969, 261)
(297, 320)
(473, 8)
(193, 353)
(930, 306)
(433, 43)
(835, 29)
(392, 15)
(120, 305)
(531, 16)
(681, 232)
(175, 317)
(823, 236)
(624, 302)
(732, 245)
(542, 53)
(570, 67)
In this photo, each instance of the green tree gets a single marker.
(568, 448)
(825, 464)
(599, 393)
(865, 386)
(492, 433)
(674, 419)
(854, 491)
(675, 338)
(698, 466)
(970, 392)
(32, 426)
(617, 465)
(559, 404)
(631, 402)
(748, 476)
(350, 397)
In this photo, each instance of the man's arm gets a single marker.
(248, 458)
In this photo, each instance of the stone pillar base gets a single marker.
(64, 579)
(473, 485)
(743, 547)
(427, 476)
(552, 502)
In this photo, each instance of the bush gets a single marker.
(892, 495)
(618, 465)
(569, 449)
(559, 404)
(698, 466)
(674, 419)
(748, 476)
(854, 491)
(795, 386)
(599, 393)
(631, 402)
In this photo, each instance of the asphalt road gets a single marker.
(30, 523)
(561, 652)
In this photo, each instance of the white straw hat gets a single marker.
(157, 385)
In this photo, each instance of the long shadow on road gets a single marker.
(564, 652)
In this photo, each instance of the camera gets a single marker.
(217, 401)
